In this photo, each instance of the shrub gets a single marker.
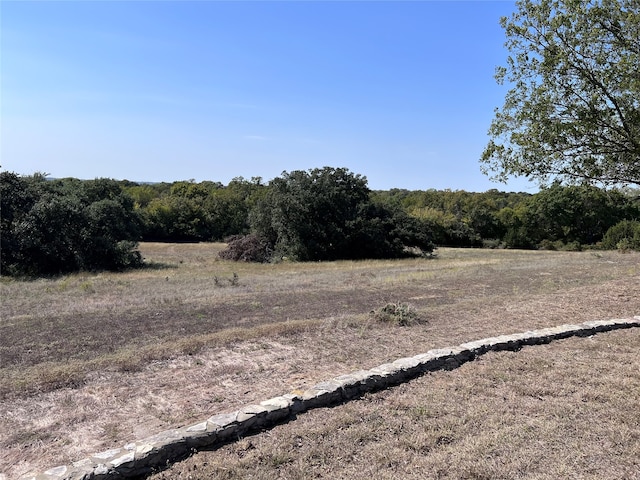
(247, 248)
(624, 235)
(398, 314)
(572, 247)
(66, 225)
(559, 245)
(548, 245)
(492, 243)
(233, 281)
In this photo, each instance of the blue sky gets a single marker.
(401, 92)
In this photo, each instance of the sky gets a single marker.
(400, 92)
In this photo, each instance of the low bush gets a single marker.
(624, 235)
(492, 243)
(397, 313)
(247, 248)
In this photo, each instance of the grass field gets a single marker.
(91, 361)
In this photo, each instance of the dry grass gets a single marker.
(90, 361)
(566, 410)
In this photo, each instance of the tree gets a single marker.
(573, 113)
(579, 214)
(230, 206)
(308, 215)
(327, 214)
(51, 227)
(624, 235)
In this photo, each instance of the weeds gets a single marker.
(397, 313)
(225, 282)
(87, 287)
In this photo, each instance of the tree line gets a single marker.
(571, 121)
(63, 225)
(321, 200)
(557, 217)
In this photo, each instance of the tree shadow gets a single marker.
(157, 266)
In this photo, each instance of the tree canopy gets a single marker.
(52, 227)
(573, 112)
(327, 214)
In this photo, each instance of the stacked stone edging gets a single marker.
(142, 456)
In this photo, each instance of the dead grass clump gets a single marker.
(398, 313)
(224, 282)
(247, 248)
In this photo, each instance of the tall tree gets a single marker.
(573, 113)
(309, 215)
(327, 214)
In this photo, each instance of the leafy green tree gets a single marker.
(17, 197)
(573, 112)
(50, 237)
(51, 227)
(464, 219)
(229, 206)
(176, 218)
(623, 235)
(387, 231)
(142, 194)
(448, 229)
(328, 214)
(189, 211)
(578, 214)
(310, 215)
(515, 220)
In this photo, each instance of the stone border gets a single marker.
(155, 452)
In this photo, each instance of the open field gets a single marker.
(91, 361)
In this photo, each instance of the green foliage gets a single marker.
(458, 218)
(327, 214)
(387, 231)
(51, 227)
(514, 221)
(176, 218)
(575, 214)
(558, 217)
(573, 112)
(310, 215)
(189, 211)
(624, 235)
(322, 214)
(303, 215)
(397, 313)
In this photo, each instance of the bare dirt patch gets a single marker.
(89, 362)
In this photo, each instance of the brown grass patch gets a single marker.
(565, 410)
(90, 361)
